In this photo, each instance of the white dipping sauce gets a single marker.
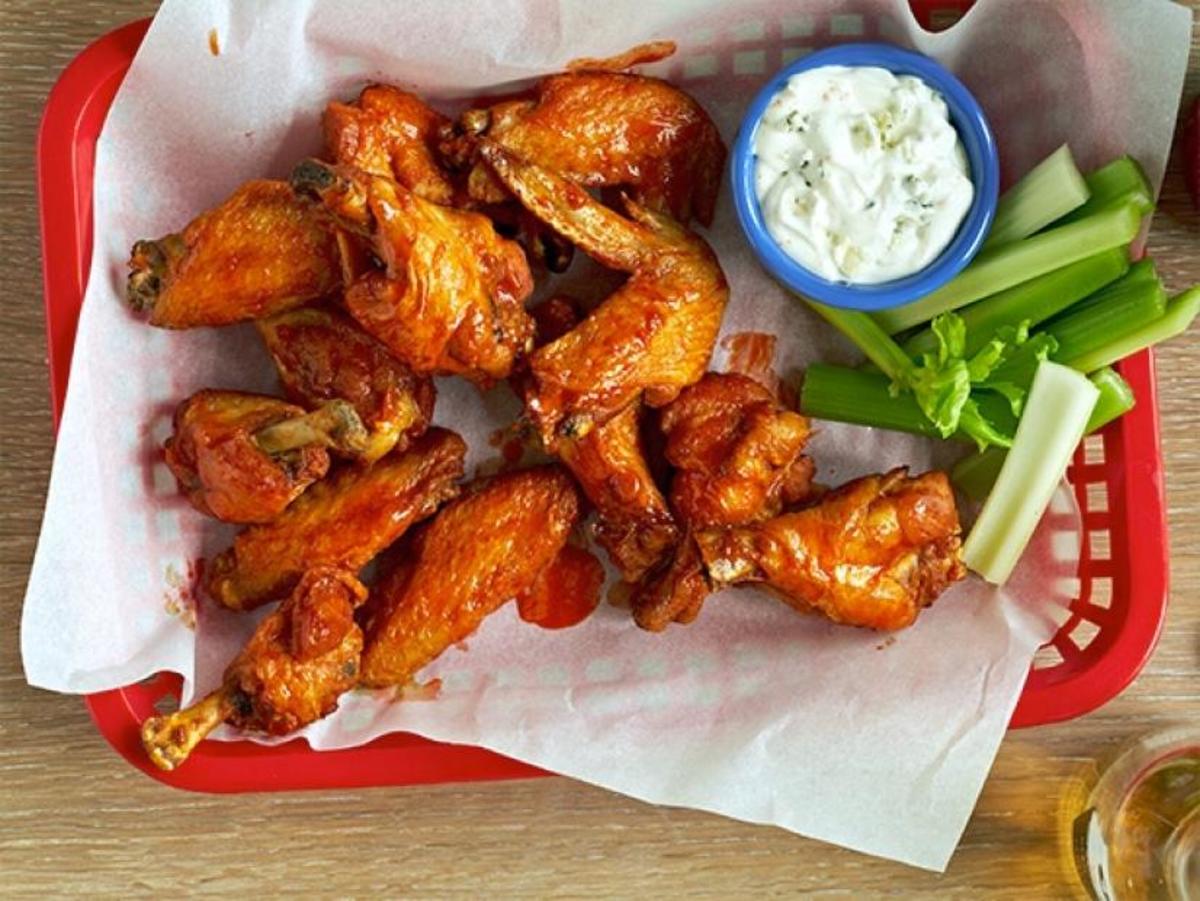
(860, 176)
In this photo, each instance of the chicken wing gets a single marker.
(872, 553)
(452, 299)
(475, 555)
(649, 339)
(244, 457)
(738, 458)
(261, 251)
(598, 126)
(392, 133)
(633, 522)
(736, 450)
(291, 672)
(321, 355)
(343, 521)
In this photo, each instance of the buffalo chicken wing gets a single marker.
(634, 523)
(392, 133)
(261, 251)
(478, 553)
(451, 301)
(872, 553)
(296, 665)
(343, 521)
(600, 127)
(650, 339)
(244, 457)
(321, 355)
(738, 459)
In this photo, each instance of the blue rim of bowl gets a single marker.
(976, 135)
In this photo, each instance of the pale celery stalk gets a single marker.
(1056, 414)
(1000, 269)
(974, 475)
(1181, 310)
(1030, 302)
(1047, 192)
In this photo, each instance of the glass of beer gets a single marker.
(1139, 834)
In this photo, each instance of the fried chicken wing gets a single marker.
(343, 521)
(736, 450)
(598, 126)
(649, 339)
(392, 133)
(291, 672)
(633, 522)
(452, 299)
(738, 458)
(244, 457)
(261, 251)
(322, 355)
(872, 553)
(478, 553)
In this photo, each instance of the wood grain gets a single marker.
(74, 818)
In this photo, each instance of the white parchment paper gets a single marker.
(875, 743)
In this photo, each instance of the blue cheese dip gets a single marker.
(859, 173)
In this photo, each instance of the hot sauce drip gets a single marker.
(565, 593)
(752, 354)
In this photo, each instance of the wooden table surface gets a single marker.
(75, 817)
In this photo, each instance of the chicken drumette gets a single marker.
(872, 553)
(479, 552)
(321, 355)
(738, 458)
(451, 300)
(650, 339)
(392, 133)
(261, 251)
(599, 126)
(299, 661)
(244, 457)
(343, 521)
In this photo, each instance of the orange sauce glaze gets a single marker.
(566, 591)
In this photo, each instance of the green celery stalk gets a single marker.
(1047, 192)
(1180, 312)
(1000, 269)
(868, 337)
(1120, 182)
(1098, 321)
(1031, 302)
(1056, 413)
(841, 394)
(974, 475)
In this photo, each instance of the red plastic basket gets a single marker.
(1117, 478)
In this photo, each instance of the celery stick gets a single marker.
(975, 475)
(1060, 403)
(1120, 182)
(1030, 302)
(1047, 192)
(1181, 310)
(999, 269)
(1098, 321)
(868, 337)
(840, 394)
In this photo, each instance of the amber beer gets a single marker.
(1139, 836)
